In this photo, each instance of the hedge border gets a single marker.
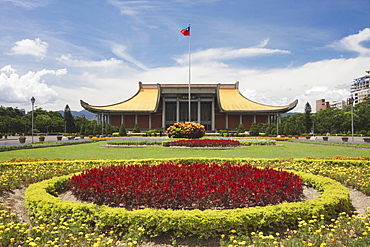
(334, 199)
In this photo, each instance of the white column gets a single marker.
(177, 110)
(213, 114)
(198, 110)
(164, 114)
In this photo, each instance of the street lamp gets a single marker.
(352, 128)
(33, 104)
(277, 124)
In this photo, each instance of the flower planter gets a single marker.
(59, 138)
(345, 139)
(325, 138)
(22, 139)
(71, 137)
(367, 139)
(308, 137)
(41, 138)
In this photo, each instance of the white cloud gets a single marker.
(131, 8)
(221, 54)
(35, 48)
(7, 69)
(28, 4)
(19, 89)
(306, 83)
(107, 64)
(119, 51)
(354, 42)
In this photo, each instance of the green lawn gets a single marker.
(284, 150)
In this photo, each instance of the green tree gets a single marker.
(136, 128)
(42, 123)
(69, 120)
(82, 129)
(109, 129)
(241, 128)
(88, 129)
(96, 129)
(362, 116)
(122, 130)
(254, 131)
(307, 117)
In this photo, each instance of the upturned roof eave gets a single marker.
(98, 109)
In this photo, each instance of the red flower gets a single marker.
(186, 186)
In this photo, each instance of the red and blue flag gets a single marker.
(185, 31)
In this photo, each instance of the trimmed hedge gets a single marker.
(41, 198)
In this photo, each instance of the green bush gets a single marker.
(241, 128)
(136, 128)
(254, 131)
(122, 130)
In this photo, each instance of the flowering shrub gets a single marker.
(204, 143)
(186, 130)
(346, 230)
(186, 186)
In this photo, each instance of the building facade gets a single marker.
(360, 89)
(321, 104)
(216, 106)
(340, 105)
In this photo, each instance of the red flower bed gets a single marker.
(186, 186)
(204, 143)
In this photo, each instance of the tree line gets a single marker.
(331, 120)
(13, 121)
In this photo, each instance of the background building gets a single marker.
(321, 104)
(216, 106)
(360, 89)
(340, 105)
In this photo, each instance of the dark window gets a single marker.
(205, 111)
(171, 111)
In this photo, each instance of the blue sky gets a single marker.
(63, 51)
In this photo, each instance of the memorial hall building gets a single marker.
(216, 106)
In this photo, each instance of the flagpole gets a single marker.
(189, 81)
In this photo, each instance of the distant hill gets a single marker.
(87, 114)
(289, 113)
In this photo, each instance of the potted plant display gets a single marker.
(22, 139)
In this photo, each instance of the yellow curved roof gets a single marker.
(228, 96)
(230, 99)
(145, 100)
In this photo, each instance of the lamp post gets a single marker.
(33, 104)
(352, 128)
(277, 125)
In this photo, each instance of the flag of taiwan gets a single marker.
(186, 31)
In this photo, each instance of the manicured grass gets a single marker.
(284, 150)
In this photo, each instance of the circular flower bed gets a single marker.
(186, 186)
